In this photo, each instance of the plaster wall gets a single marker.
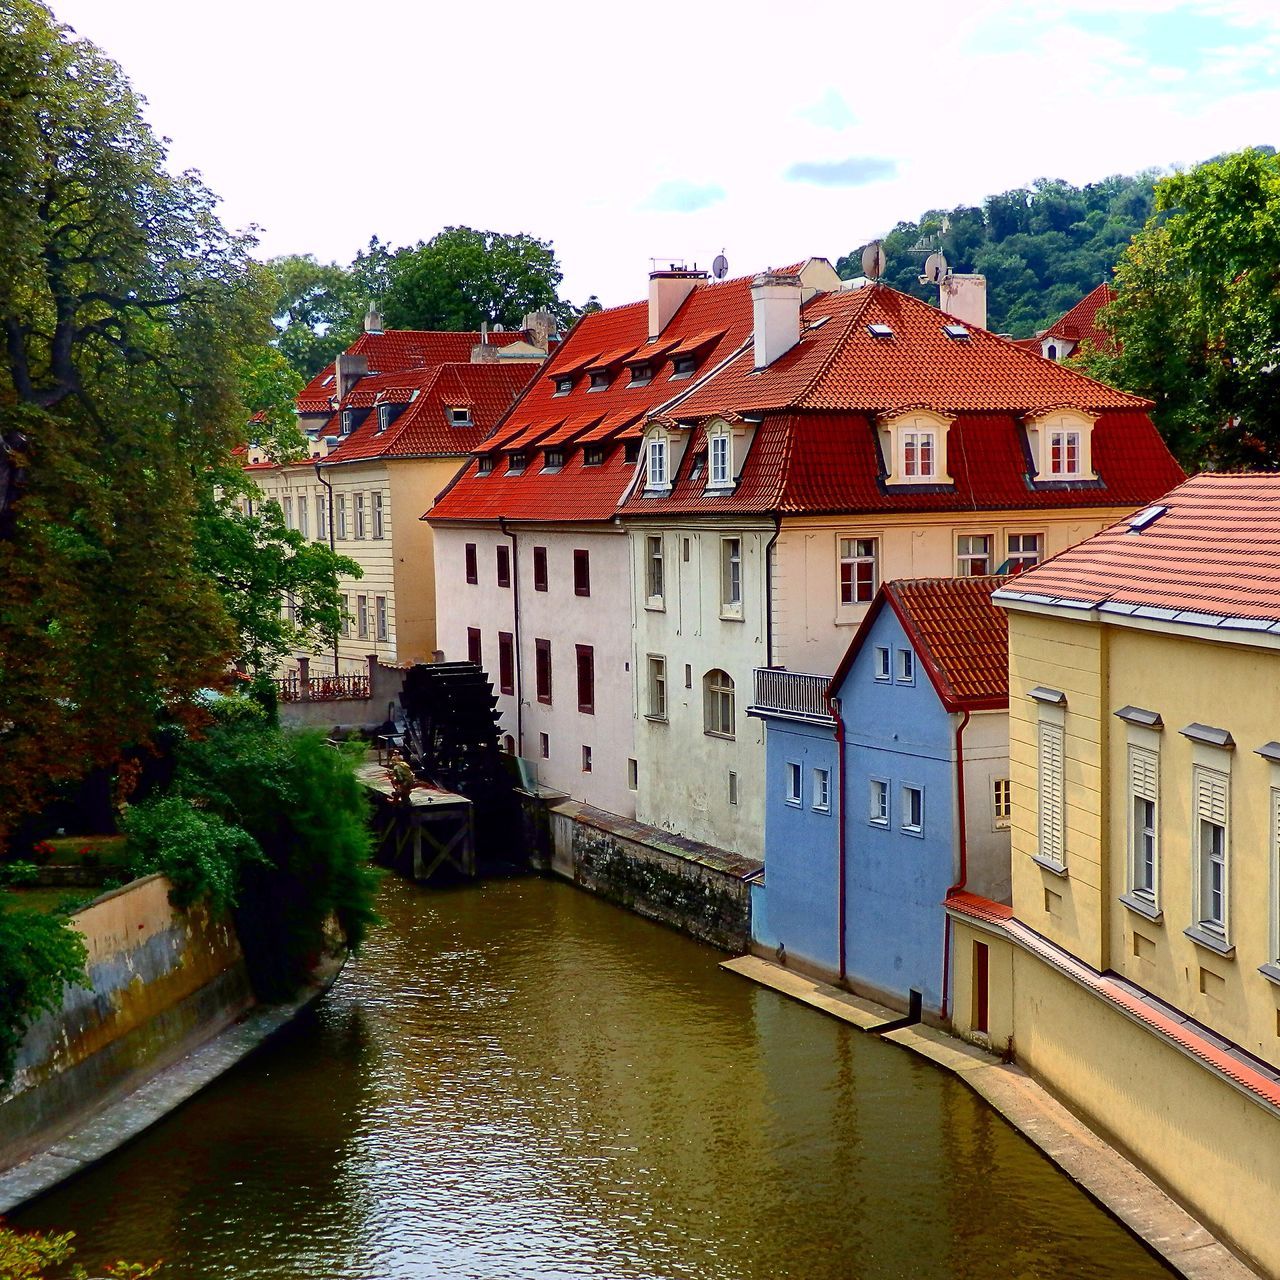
(986, 758)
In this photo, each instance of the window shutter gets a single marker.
(1052, 811)
(1211, 796)
(1143, 772)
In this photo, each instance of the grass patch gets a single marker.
(48, 902)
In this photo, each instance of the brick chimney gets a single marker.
(775, 307)
(667, 290)
(965, 298)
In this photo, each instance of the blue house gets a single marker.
(888, 793)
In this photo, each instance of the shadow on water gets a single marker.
(518, 1080)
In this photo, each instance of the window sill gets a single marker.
(1144, 907)
(793, 804)
(1271, 972)
(916, 833)
(1210, 942)
(715, 733)
(821, 808)
(657, 719)
(731, 617)
(656, 604)
(882, 823)
(1058, 869)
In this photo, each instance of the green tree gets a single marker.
(461, 278)
(269, 387)
(313, 310)
(1197, 317)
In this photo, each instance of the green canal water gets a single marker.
(518, 1080)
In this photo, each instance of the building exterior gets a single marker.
(1138, 972)
(899, 794)
(1079, 325)
(387, 426)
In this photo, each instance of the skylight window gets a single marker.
(956, 331)
(485, 465)
(517, 461)
(593, 455)
(564, 386)
(1148, 516)
(459, 416)
(554, 459)
(683, 366)
(880, 330)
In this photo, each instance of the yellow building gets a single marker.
(1138, 973)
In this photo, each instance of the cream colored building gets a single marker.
(1138, 973)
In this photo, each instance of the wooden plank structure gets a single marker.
(431, 838)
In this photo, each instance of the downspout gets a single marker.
(768, 590)
(515, 605)
(964, 860)
(837, 713)
(333, 549)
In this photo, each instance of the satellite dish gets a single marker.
(935, 269)
(720, 267)
(873, 260)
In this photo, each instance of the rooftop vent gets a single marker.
(956, 331)
(1146, 517)
(880, 330)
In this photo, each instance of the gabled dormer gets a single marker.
(914, 447)
(661, 454)
(727, 446)
(1060, 442)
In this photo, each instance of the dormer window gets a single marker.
(919, 455)
(384, 416)
(1064, 454)
(564, 386)
(641, 375)
(593, 455)
(914, 447)
(554, 460)
(683, 366)
(517, 462)
(599, 379)
(485, 465)
(720, 455)
(631, 452)
(348, 421)
(656, 464)
(459, 416)
(1061, 445)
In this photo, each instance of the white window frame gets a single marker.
(654, 570)
(910, 827)
(1063, 441)
(656, 672)
(905, 672)
(717, 699)
(879, 802)
(346, 613)
(1143, 788)
(731, 578)
(1019, 560)
(1059, 425)
(384, 416)
(1001, 804)
(459, 416)
(820, 789)
(918, 455)
(883, 672)
(362, 617)
(304, 516)
(795, 783)
(348, 422)
(383, 629)
(657, 464)
(719, 460)
(322, 519)
(1051, 792)
(1211, 807)
(341, 514)
(361, 526)
(967, 558)
(379, 516)
(287, 511)
(855, 551)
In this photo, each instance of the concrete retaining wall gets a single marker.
(700, 890)
(162, 982)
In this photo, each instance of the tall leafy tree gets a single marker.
(1197, 318)
(313, 310)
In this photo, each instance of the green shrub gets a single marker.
(13, 874)
(32, 1255)
(39, 955)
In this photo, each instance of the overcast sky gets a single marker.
(773, 131)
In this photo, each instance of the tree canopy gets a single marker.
(1197, 316)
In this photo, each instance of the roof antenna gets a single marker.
(874, 261)
(720, 267)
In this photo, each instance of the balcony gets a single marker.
(792, 695)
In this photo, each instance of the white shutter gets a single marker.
(1211, 796)
(1052, 805)
(1143, 772)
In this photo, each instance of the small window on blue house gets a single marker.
(913, 809)
(793, 783)
(883, 671)
(906, 666)
(822, 790)
(879, 810)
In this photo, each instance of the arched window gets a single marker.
(718, 703)
(509, 744)
(1052, 352)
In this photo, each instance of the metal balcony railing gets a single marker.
(794, 694)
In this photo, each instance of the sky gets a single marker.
(773, 132)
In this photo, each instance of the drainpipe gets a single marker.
(768, 589)
(833, 705)
(333, 548)
(964, 860)
(515, 608)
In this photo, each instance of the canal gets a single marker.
(518, 1080)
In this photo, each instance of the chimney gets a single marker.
(373, 319)
(541, 327)
(348, 369)
(775, 306)
(667, 290)
(965, 298)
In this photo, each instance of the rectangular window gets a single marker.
(1212, 802)
(342, 516)
(474, 648)
(858, 570)
(581, 573)
(1144, 768)
(1051, 795)
(1064, 453)
(360, 527)
(539, 568)
(883, 667)
(1275, 882)
(346, 614)
(719, 448)
(586, 662)
(303, 518)
(380, 615)
(821, 795)
(544, 746)
(503, 563)
(733, 787)
(379, 516)
(506, 662)
(586, 759)
(656, 465)
(973, 555)
(913, 809)
(918, 451)
(469, 555)
(793, 783)
(288, 513)
(657, 687)
(322, 519)
(542, 670)
(906, 666)
(1024, 551)
(653, 567)
(731, 576)
(362, 615)
(633, 775)
(879, 807)
(1001, 804)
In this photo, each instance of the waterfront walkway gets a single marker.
(1157, 1220)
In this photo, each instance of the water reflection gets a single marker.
(517, 1080)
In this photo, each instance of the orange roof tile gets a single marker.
(1080, 324)
(1212, 557)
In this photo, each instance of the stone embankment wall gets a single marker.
(700, 890)
(162, 981)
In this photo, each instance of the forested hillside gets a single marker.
(1042, 248)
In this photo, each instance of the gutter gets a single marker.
(328, 484)
(515, 608)
(833, 705)
(964, 860)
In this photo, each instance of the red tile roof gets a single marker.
(1080, 324)
(960, 636)
(422, 428)
(1214, 553)
(396, 350)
